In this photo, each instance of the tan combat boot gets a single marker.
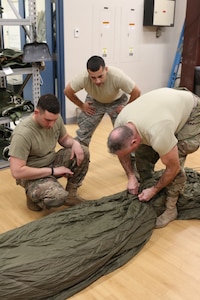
(169, 214)
(73, 198)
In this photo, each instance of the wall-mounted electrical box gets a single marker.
(159, 13)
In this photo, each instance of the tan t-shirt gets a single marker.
(158, 115)
(116, 83)
(34, 144)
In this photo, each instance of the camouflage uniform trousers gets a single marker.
(88, 123)
(188, 142)
(48, 190)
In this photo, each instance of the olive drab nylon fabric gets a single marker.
(58, 255)
(12, 58)
(12, 103)
(13, 106)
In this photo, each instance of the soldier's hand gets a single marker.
(147, 194)
(62, 171)
(133, 185)
(88, 108)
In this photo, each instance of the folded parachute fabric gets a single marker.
(59, 255)
(12, 58)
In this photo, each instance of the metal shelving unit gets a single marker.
(34, 70)
(31, 22)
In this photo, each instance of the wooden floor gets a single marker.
(167, 268)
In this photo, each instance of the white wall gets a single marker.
(118, 31)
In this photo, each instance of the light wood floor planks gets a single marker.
(167, 268)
